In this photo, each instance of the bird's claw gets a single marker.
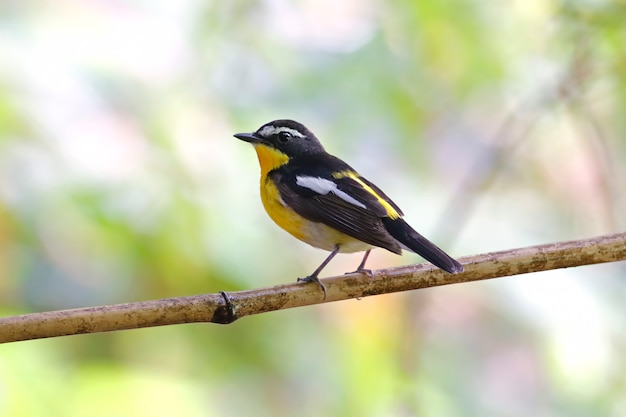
(365, 271)
(315, 280)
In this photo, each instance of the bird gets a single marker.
(321, 200)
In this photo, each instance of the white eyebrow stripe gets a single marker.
(273, 130)
(324, 186)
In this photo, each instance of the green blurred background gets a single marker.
(493, 125)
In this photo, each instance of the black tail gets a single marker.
(417, 243)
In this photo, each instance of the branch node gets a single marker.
(225, 314)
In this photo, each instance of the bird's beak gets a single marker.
(248, 137)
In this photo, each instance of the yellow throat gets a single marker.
(269, 158)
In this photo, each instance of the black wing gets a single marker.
(345, 201)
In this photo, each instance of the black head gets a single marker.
(288, 136)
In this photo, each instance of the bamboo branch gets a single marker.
(225, 308)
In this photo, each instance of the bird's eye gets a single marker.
(284, 137)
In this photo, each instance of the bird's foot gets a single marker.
(365, 271)
(312, 278)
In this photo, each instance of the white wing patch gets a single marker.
(324, 186)
(273, 130)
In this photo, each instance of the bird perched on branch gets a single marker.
(323, 201)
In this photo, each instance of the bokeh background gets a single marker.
(494, 125)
